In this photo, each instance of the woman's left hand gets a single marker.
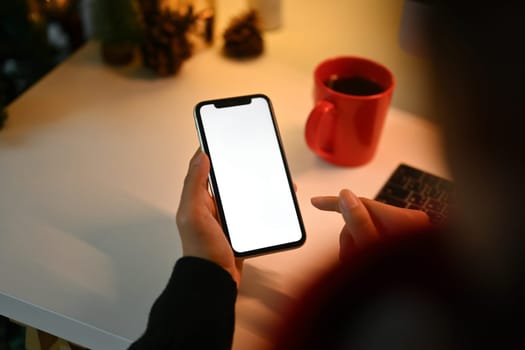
(200, 231)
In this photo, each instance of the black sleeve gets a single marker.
(196, 310)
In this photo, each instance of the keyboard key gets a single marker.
(416, 199)
(396, 192)
(393, 201)
(435, 205)
(414, 185)
(413, 206)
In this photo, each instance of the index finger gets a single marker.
(327, 203)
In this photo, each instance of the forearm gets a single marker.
(195, 310)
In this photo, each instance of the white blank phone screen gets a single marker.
(250, 173)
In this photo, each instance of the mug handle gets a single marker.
(320, 129)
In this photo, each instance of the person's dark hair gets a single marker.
(479, 66)
(372, 300)
(478, 72)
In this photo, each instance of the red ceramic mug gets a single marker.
(352, 96)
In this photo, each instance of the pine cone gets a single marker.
(243, 37)
(166, 45)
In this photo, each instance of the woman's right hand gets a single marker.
(367, 220)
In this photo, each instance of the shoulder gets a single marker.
(400, 289)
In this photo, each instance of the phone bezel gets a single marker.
(231, 102)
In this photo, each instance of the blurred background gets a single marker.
(35, 36)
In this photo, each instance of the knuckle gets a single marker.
(180, 219)
(362, 223)
(363, 227)
(188, 218)
(187, 179)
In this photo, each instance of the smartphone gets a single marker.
(249, 176)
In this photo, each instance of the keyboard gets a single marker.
(413, 188)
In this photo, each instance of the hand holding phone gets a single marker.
(199, 229)
(249, 175)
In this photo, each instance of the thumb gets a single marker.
(197, 176)
(357, 219)
(391, 220)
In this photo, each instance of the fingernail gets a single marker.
(197, 159)
(348, 199)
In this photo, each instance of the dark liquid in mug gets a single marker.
(357, 86)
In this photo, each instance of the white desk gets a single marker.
(92, 162)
